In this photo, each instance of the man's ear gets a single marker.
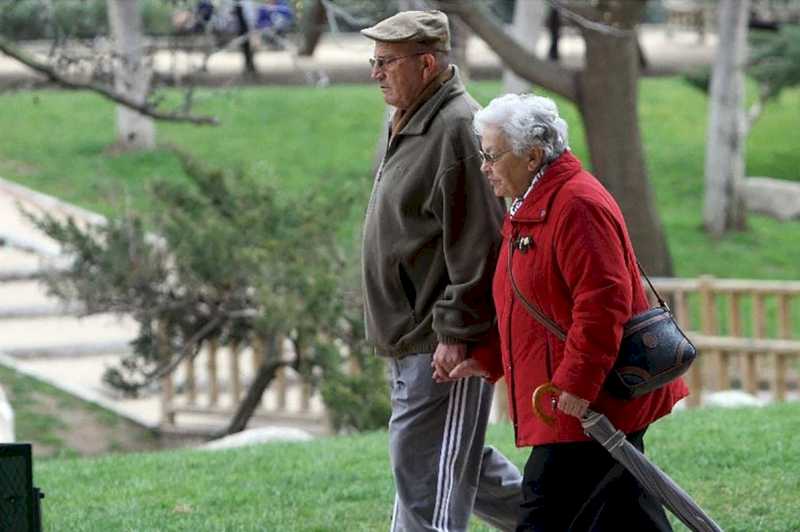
(429, 63)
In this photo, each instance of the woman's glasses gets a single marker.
(491, 159)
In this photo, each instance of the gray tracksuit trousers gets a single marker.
(442, 471)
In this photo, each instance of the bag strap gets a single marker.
(661, 302)
(540, 316)
(532, 309)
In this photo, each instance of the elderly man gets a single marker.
(431, 237)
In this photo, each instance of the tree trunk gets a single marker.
(266, 374)
(131, 75)
(724, 208)
(459, 35)
(248, 406)
(314, 21)
(554, 29)
(525, 29)
(609, 107)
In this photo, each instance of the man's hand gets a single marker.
(572, 404)
(446, 358)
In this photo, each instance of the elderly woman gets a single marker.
(567, 250)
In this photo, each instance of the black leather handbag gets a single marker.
(654, 350)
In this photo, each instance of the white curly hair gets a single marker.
(527, 121)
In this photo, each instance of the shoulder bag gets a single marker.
(654, 349)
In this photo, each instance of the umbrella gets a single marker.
(649, 475)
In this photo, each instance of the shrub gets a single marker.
(231, 261)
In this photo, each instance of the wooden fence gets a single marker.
(747, 332)
(213, 384)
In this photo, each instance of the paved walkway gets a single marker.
(40, 337)
(342, 58)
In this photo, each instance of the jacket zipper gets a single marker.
(509, 328)
(548, 361)
(378, 176)
(548, 352)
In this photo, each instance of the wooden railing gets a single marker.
(213, 384)
(747, 332)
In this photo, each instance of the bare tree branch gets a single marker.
(755, 110)
(189, 348)
(551, 76)
(585, 16)
(334, 11)
(14, 52)
(583, 9)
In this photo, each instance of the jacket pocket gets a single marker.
(409, 291)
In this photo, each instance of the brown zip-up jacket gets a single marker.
(431, 233)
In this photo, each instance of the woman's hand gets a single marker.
(572, 404)
(468, 368)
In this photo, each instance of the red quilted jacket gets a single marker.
(579, 268)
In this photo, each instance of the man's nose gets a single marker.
(375, 73)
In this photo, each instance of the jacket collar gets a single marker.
(537, 205)
(426, 111)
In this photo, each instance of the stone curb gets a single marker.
(22, 274)
(30, 246)
(49, 203)
(114, 347)
(52, 310)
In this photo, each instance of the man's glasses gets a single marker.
(382, 62)
(491, 159)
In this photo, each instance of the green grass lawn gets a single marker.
(308, 140)
(742, 466)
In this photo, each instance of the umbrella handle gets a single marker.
(546, 388)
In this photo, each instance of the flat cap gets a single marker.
(413, 26)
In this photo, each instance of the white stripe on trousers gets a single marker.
(394, 513)
(459, 430)
(451, 443)
(443, 454)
